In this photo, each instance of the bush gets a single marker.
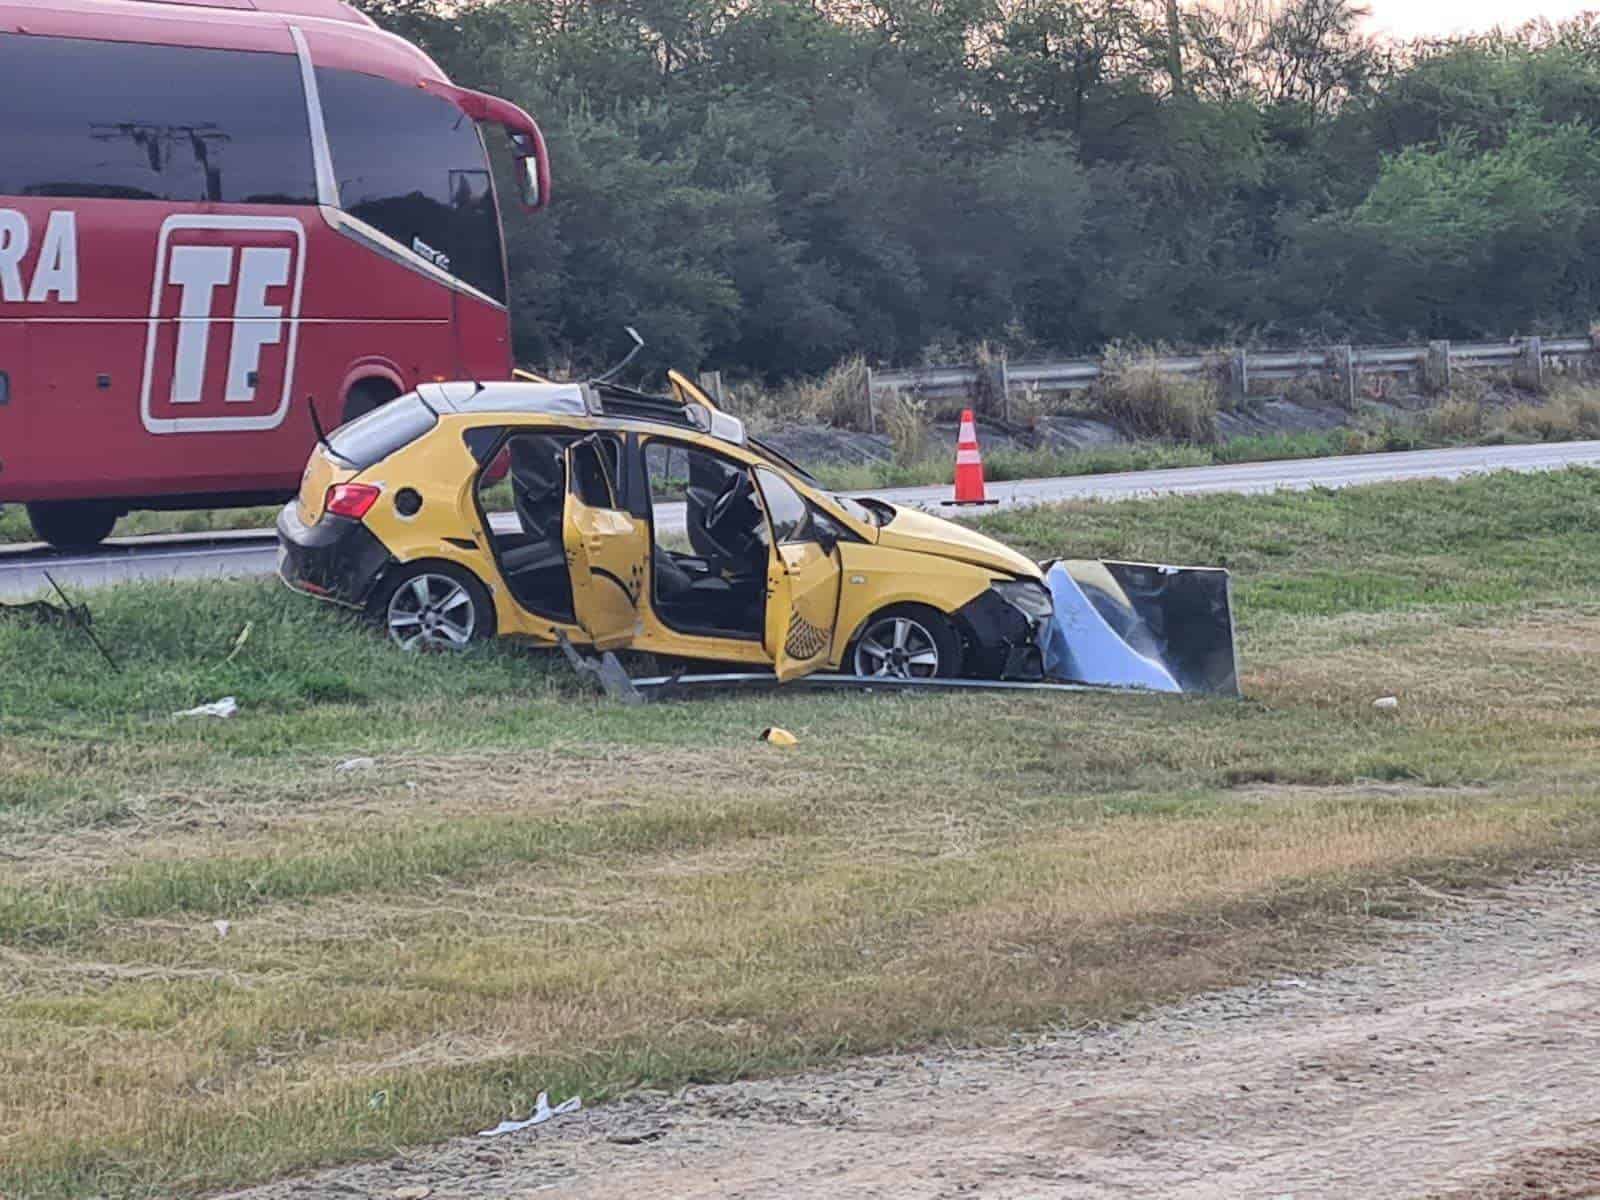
(837, 398)
(1134, 393)
(1456, 421)
(1571, 413)
(905, 418)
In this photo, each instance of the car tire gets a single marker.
(434, 606)
(72, 526)
(918, 630)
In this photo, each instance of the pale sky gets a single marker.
(1414, 18)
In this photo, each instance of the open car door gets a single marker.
(803, 578)
(607, 549)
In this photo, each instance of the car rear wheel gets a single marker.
(908, 642)
(72, 525)
(435, 606)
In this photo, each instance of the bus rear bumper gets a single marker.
(337, 559)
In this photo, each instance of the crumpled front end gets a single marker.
(1132, 625)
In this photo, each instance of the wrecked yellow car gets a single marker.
(613, 518)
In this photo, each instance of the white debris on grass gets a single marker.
(223, 708)
(222, 927)
(357, 764)
(542, 1112)
(1388, 703)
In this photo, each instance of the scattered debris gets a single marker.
(238, 642)
(779, 737)
(222, 927)
(542, 1112)
(639, 1137)
(65, 614)
(606, 671)
(224, 708)
(1387, 703)
(415, 1191)
(42, 612)
(378, 1101)
(357, 764)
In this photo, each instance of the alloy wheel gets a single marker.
(432, 611)
(899, 648)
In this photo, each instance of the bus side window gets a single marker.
(414, 166)
(130, 121)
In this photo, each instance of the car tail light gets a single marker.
(352, 500)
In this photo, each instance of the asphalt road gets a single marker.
(196, 556)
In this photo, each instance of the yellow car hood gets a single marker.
(924, 534)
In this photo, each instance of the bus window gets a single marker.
(414, 166)
(124, 120)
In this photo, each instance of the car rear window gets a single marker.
(372, 438)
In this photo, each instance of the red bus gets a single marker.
(212, 213)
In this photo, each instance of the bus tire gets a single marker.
(69, 525)
(366, 395)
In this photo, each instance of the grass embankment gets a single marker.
(536, 890)
(1572, 413)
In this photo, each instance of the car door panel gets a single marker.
(607, 551)
(802, 607)
(803, 580)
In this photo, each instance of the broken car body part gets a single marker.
(608, 518)
(542, 1112)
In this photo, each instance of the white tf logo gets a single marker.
(224, 323)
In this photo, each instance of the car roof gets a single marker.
(515, 398)
(540, 399)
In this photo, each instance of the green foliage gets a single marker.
(767, 187)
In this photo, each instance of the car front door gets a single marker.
(803, 579)
(607, 549)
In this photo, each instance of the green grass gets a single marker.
(1497, 540)
(534, 889)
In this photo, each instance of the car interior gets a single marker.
(712, 579)
(709, 579)
(532, 556)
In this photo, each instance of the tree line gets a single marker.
(768, 186)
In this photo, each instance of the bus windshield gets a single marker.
(413, 166)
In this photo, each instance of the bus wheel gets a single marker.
(367, 395)
(72, 525)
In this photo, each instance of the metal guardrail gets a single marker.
(1239, 370)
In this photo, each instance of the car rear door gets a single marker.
(803, 579)
(607, 548)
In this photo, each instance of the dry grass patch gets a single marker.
(763, 959)
(537, 891)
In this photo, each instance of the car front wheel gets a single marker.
(435, 606)
(908, 641)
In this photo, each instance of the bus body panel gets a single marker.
(170, 351)
(107, 415)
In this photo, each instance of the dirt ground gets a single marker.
(1458, 1060)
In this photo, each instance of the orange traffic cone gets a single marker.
(969, 465)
